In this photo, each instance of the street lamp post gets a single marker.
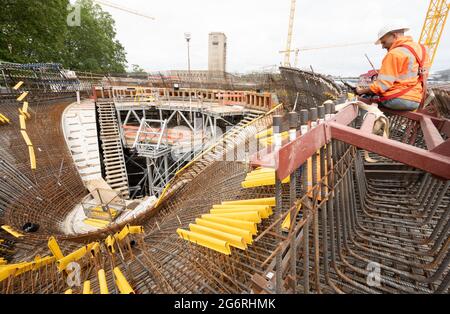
(188, 39)
(187, 36)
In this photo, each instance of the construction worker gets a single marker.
(401, 81)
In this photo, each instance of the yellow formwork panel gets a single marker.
(260, 175)
(136, 229)
(252, 216)
(95, 249)
(245, 234)
(102, 282)
(220, 246)
(12, 232)
(25, 114)
(22, 96)
(122, 283)
(287, 221)
(319, 177)
(69, 291)
(262, 182)
(128, 230)
(232, 239)
(98, 223)
(265, 133)
(23, 125)
(74, 256)
(4, 119)
(54, 248)
(241, 224)
(109, 241)
(87, 287)
(257, 201)
(264, 212)
(269, 140)
(18, 85)
(20, 268)
(26, 138)
(262, 170)
(25, 107)
(100, 215)
(264, 174)
(32, 157)
(99, 209)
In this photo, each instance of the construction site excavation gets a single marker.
(115, 179)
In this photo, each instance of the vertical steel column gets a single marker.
(324, 168)
(305, 128)
(293, 125)
(313, 114)
(150, 176)
(277, 122)
(315, 213)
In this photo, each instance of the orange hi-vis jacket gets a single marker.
(400, 71)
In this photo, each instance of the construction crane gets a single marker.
(336, 46)
(121, 8)
(287, 51)
(297, 50)
(434, 26)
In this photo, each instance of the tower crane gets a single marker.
(287, 51)
(433, 26)
(124, 9)
(297, 50)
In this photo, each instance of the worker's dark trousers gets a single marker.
(400, 104)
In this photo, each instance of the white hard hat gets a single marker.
(396, 25)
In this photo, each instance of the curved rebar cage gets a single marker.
(354, 226)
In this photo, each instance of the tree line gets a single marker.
(53, 31)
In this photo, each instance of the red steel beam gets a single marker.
(431, 162)
(443, 149)
(296, 153)
(431, 135)
(367, 125)
(443, 125)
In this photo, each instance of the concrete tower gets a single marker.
(217, 53)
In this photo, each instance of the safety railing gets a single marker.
(251, 100)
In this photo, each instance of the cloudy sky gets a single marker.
(257, 30)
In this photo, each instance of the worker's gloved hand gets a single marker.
(363, 90)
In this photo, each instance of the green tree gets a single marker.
(92, 45)
(37, 31)
(32, 31)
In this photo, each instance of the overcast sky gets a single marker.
(257, 30)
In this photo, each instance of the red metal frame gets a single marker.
(435, 160)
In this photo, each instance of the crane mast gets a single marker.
(433, 26)
(124, 9)
(287, 55)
